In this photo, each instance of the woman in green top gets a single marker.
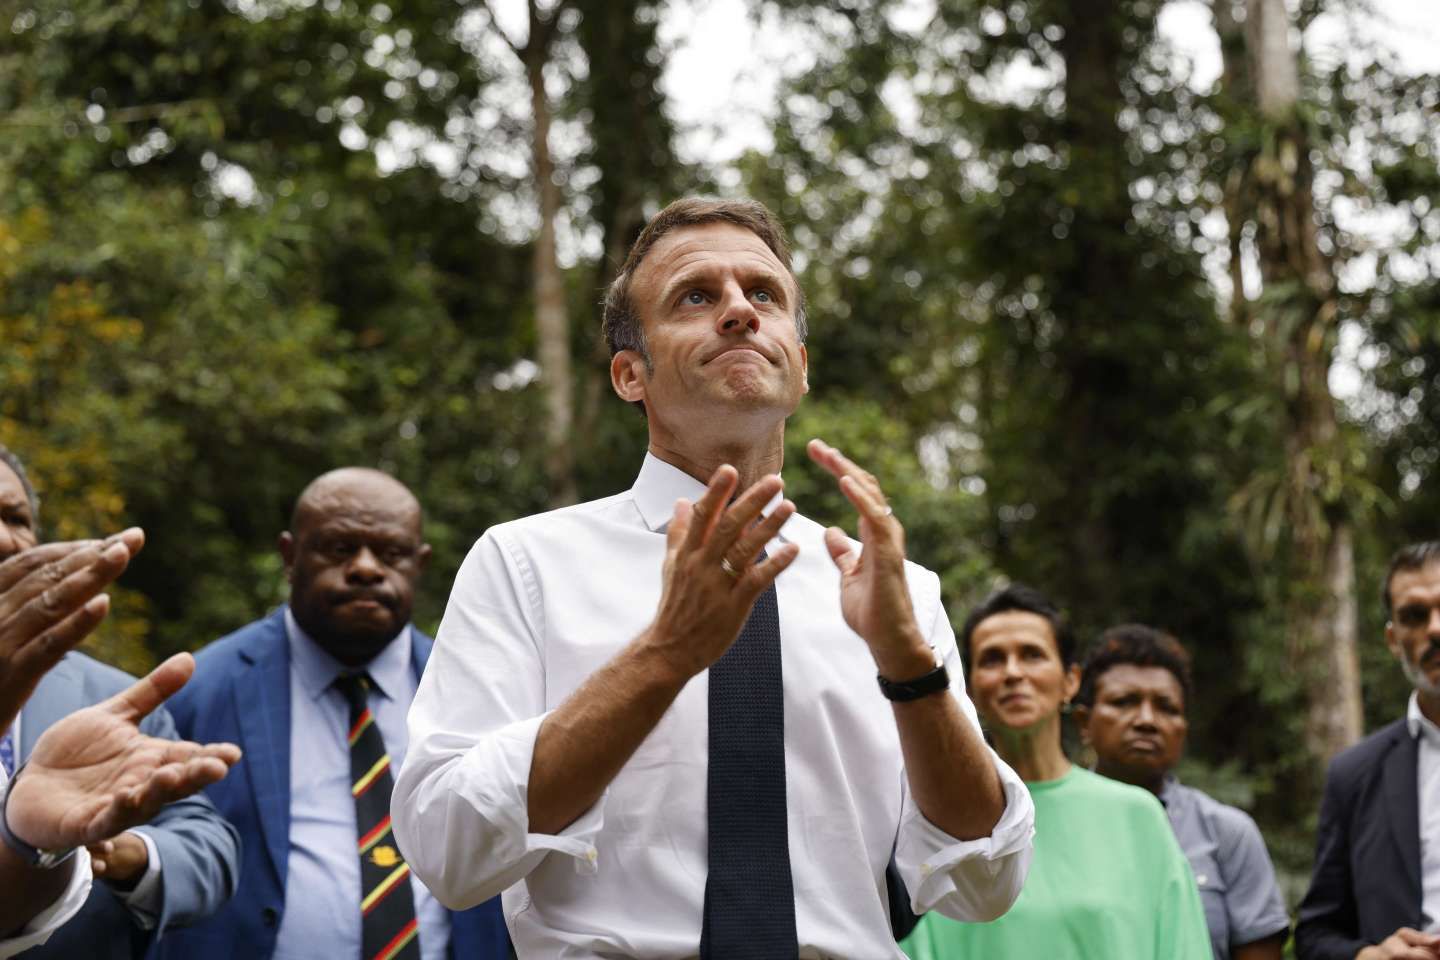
(1108, 881)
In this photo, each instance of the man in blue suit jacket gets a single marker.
(176, 869)
(352, 556)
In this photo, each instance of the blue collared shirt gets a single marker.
(1231, 865)
(322, 909)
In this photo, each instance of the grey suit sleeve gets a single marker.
(199, 850)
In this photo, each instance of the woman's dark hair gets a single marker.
(1018, 596)
(1136, 644)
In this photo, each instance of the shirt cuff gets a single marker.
(500, 767)
(145, 900)
(53, 917)
(970, 870)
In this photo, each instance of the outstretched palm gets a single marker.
(94, 773)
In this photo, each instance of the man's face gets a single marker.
(1413, 632)
(17, 525)
(718, 308)
(352, 563)
(1137, 724)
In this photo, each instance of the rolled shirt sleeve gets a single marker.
(968, 880)
(459, 808)
(1253, 903)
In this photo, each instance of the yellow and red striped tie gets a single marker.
(387, 908)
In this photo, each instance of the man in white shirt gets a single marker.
(653, 720)
(93, 774)
(1375, 891)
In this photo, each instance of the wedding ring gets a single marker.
(889, 511)
(725, 565)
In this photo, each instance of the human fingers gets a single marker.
(151, 690)
(756, 536)
(1414, 938)
(758, 577)
(837, 544)
(183, 751)
(37, 656)
(56, 590)
(22, 564)
(706, 511)
(740, 516)
(100, 853)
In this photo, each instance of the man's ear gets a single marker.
(1392, 642)
(422, 557)
(804, 369)
(627, 375)
(286, 543)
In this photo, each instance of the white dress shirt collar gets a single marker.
(389, 670)
(1420, 725)
(660, 484)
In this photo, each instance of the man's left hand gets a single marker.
(874, 596)
(121, 861)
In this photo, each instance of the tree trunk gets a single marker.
(552, 321)
(1299, 329)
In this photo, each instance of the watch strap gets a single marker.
(903, 691)
(35, 857)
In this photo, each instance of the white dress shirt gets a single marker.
(540, 604)
(1427, 779)
(53, 917)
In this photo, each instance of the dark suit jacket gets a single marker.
(199, 852)
(1366, 883)
(241, 693)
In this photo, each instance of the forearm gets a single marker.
(585, 741)
(29, 891)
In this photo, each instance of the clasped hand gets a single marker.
(714, 569)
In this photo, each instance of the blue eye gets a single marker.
(763, 296)
(695, 297)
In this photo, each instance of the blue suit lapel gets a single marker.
(262, 706)
(60, 693)
(1403, 805)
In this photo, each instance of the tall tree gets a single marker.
(1272, 195)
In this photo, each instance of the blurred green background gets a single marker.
(1168, 349)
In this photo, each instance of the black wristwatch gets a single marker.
(43, 859)
(906, 690)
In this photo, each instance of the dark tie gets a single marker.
(7, 752)
(749, 897)
(389, 930)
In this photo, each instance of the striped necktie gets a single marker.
(389, 928)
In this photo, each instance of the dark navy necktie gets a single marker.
(749, 896)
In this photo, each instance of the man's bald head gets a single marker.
(352, 555)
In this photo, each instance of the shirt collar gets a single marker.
(660, 484)
(1168, 790)
(317, 669)
(1419, 724)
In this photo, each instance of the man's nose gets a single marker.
(1145, 715)
(1432, 628)
(365, 566)
(737, 313)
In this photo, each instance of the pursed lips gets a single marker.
(742, 348)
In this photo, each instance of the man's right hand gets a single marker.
(94, 774)
(1404, 944)
(50, 600)
(702, 604)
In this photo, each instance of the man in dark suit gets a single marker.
(1375, 892)
(316, 696)
(177, 868)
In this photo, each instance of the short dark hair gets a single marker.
(620, 320)
(13, 462)
(1018, 596)
(1136, 644)
(1413, 556)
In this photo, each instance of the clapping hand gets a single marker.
(874, 596)
(50, 600)
(94, 774)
